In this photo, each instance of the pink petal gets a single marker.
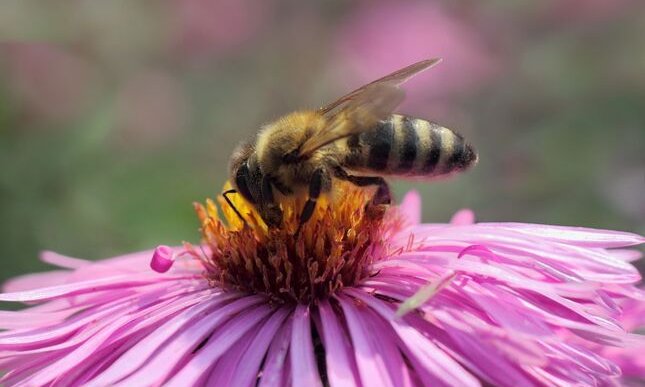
(410, 208)
(129, 336)
(37, 338)
(36, 280)
(397, 366)
(218, 344)
(439, 368)
(275, 371)
(425, 293)
(106, 283)
(80, 375)
(507, 311)
(370, 363)
(627, 255)
(303, 362)
(463, 218)
(247, 369)
(136, 356)
(75, 357)
(506, 239)
(581, 236)
(485, 356)
(26, 319)
(222, 371)
(87, 344)
(590, 361)
(137, 264)
(20, 370)
(341, 367)
(63, 261)
(181, 344)
(553, 309)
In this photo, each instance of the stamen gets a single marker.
(334, 249)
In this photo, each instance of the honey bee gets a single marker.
(356, 138)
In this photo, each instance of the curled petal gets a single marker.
(162, 259)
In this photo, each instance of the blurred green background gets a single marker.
(115, 116)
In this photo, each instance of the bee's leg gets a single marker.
(230, 203)
(382, 196)
(318, 180)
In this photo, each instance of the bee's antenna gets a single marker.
(230, 203)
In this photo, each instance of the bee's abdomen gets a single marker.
(406, 146)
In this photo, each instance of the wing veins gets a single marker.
(364, 107)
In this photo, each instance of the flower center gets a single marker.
(334, 249)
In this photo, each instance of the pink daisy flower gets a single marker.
(364, 296)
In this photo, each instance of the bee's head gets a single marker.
(244, 172)
(247, 178)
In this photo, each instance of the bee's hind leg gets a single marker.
(320, 181)
(382, 195)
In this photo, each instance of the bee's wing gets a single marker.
(361, 109)
(394, 79)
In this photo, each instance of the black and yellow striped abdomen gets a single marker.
(407, 146)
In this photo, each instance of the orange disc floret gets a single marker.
(335, 248)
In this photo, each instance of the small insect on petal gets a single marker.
(424, 294)
(162, 259)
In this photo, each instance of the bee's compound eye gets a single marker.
(241, 182)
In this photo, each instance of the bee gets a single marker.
(356, 138)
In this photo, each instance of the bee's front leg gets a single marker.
(269, 209)
(319, 180)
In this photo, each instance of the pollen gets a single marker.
(334, 249)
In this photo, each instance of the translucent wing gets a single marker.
(361, 109)
(394, 79)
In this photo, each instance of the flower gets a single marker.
(363, 296)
